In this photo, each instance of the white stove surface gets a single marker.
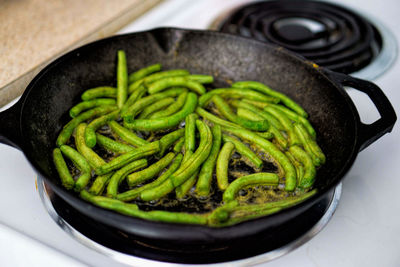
(364, 231)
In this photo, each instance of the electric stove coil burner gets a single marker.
(134, 250)
(327, 34)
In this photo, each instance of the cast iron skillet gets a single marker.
(33, 124)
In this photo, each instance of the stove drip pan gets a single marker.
(129, 249)
(330, 35)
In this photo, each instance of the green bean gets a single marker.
(122, 79)
(126, 134)
(287, 124)
(102, 91)
(158, 192)
(261, 113)
(277, 155)
(167, 82)
(143, 72)
(159, 105)
(180, 101)
(137, 153)
(222, 165)
(164, 74)
(310, 145)
(184, 188)
(90, 133)
(134, 109)
(272, 131)
(206, 173)
(110, 144)
(133, 193)
(214, 119)
(81, 163)
(261, 178)
(78, 108)
(155, 215)
(299, 167)
(179, 144)
(91, 156)
(188, 168)
(256, 104)
(310, 171)
(243, 150)
(297, 118)
(226, 111)
(167, 140)
(200, 78)
(268, 91)
(119, 176)
(133, 98)
(99, 184)
(69, 128)
(190, 132)
(167, 122)
(61, 166)
(221, 214)
(148, 173)
(235, 93)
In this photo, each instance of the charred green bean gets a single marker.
(61, 166)
(222, 165)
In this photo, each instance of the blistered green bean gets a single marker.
(222, 165)
(91, 156)
(102, 91)
(243, 150)
(90, 133)
(261, 178)
(184, 188)
(167, 122)
(78, 108)
(188, 168)
(226, 111)
(167, 140)
(134, 193)
(122, 79)
(137, 153)
(81, 163)
(126, 134)
(268, 91)
(201, 78)
(159, 105)
(61, 166)
(119, 176)
(310, 145)
(179, 144)
(133, 98)
(299, 167)
(190, 132)
(214, 119)
(134, 109)
(148, 173)
(112, 145)
(236, 94)
(168, 82)
(69, 128)
(309, 168)
(164, 74)
(206, 173)
(99, 184)
(177, 105)
(277, 155)
(158, 192)
(287, 124)
(143, 72)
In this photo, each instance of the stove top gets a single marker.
(330, 35)
(126, 247)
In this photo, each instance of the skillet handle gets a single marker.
(10, 131)
(369, 133)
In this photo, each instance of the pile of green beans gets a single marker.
(167, 134)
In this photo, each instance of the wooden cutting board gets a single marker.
(34, 32)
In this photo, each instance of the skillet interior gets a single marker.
(228, 58)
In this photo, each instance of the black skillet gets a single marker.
(33, 124)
